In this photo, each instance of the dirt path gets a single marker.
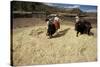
(32, 46)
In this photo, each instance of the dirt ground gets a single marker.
(31, 46)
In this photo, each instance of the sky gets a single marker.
(84, 8)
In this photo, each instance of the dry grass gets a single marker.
(32, 46)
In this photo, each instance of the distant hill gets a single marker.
(32, 7)
(41, 7)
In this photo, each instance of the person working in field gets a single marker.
(56, 22)
(49, 21)
(53, 25)
(51, 29)
(77, 18)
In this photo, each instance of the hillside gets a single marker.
(41, 7)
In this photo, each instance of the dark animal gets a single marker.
(51, 29)
(83, 27)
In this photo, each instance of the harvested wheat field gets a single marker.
(31, 46)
